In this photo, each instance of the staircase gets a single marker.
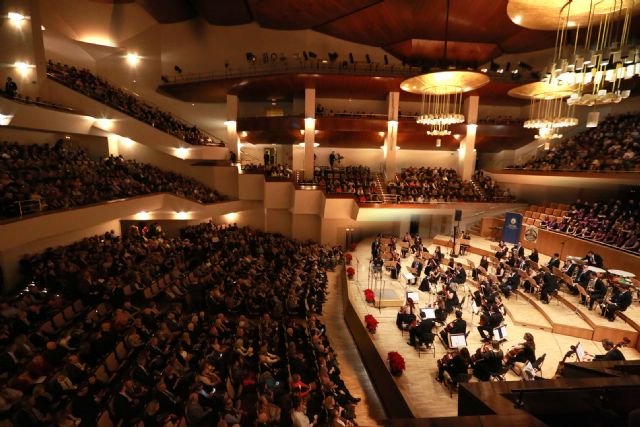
(380, 182)
(478, 188)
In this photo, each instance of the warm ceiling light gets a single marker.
(315, 144)
(127, 141)
(143, 215)
(42, 27)
(22, 67)
(381, 134)
(181, 215)
(105, 124)
(301, 131)
(438, 142)
(182, 152)
(517, 19)
(5, 120)
(133, 59)
(244, 134)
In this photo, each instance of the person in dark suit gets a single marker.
(612, 352)
(534, 256)
(460, 276)
(598, 292)
(488, 362)
(458, 326)
(141, 373)
(8, 360)
(518, 250)
(423, 331)
(511, 283)
(549, 284)
(619, 303)
(554, 262)
(593, 259)
(125, 405)
(491, 321)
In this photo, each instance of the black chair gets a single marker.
(453, 383)
(499, 375)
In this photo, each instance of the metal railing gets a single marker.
(26, 207)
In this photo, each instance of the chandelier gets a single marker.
(442, 96)
(598, 66)
(548, 111)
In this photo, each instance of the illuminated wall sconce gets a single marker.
(5, 120)
(381, 134)
(244, 134)
(182, 152)
(128, 142)
(309, 121)
(16, 18)
(133, 58)
(457, 136)
(23, 67)
(438, 142)
(384, 147)
(103, 123)
(315, 144)
(393, 123)
(231, 217)
(472, 126)
(181, 215)
(143, 215)
(228, 123)
(301, 131)
(547, 146)
(593, 118)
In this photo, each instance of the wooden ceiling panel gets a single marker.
(224, 12)
(464, 52)
(168, 12)
(303, 14)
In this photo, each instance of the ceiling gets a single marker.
(411, 30)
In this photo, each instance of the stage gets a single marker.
(425, 396)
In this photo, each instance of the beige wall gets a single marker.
(251, 186)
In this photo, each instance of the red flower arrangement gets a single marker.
(348, 257)
(371, 323)
(369, 296)
(396, 363)
(351, 272)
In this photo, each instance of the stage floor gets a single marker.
(425, 396)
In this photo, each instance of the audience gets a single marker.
(613, 145)
(84, 81)
(612, 222)
(350, 180)
(227, 327)
(59, 177)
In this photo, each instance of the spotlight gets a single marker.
(250, 57)
(133, 58)
(177, 69)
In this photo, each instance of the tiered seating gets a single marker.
(354, 180)
(44, 177)
(172, 331)
(611, 222)
(85, 82)
(612, 146)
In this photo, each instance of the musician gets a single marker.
(618, 303)
(425, 285)
(458, 326)
(395, 271)
(437, 254)
(484, 263)
(593, 259)
(599, 289)
(522, 353)
(583, 278)
(488, 361)
(534, 256)
(511, 283)
(518, 250)
(460, 276)
(406, 315)
(489, 323)
(455, 364)
(375, 247)
(451, 298)
(570, 267)
(500, 270)
(416, 266)
(432, 265)
(612, 351)
(554, 262)
(378, 263)
(502, 251)
(441, 313)
(423, 331)
(549, 284)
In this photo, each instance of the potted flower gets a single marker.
(371, 323)
(350, 273)
(396, 363)
(348, 257)
(370, 296)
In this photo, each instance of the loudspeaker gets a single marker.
(458, 216)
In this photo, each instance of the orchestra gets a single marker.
(496, 278)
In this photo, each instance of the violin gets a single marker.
(485, 347)
(450, 326)
(513, 352)
(447, 358)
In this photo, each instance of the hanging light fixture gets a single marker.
(548, 111)
(442, 93)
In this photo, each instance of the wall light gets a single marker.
(472, 126)
(244, 134)
(309, 121)
(301, 131)
(5, 120)
(381, 134)
(182, 152)
(133, 59)
(228, 123)
(393, 122)
(384, 148)
(22, 67)
(143, 215)
(438, 142)
(16, 18)
(231, 216)
(127, 141)
(181, 215)
(315, 144)
(104, 124)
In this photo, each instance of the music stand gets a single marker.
(415, 296)
(500, 333)
(580, 353)
(457, 340)
(429, 313)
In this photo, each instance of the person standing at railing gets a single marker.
(10, 88)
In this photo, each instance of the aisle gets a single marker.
(353, 372)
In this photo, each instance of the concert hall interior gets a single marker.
(264, 213)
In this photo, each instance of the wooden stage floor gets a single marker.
(427, 397)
